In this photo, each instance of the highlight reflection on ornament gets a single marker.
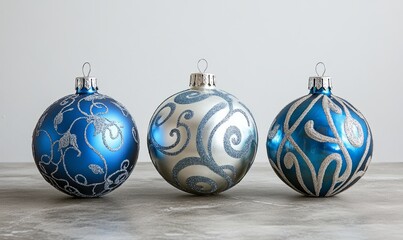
(320, 144)
(202, 140)
(85, 144)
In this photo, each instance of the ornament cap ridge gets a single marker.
(319, 82)
(202, 80)
(86, 83)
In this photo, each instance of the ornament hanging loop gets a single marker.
(89, 69)
(205, 67)
(324, 69)
(320, 83)
(86, 84)
(202, 80)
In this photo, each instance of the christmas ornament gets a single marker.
(85, 144)
(202, 140)
(320, 144)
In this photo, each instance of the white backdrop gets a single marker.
(143, 51)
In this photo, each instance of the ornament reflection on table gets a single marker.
(202, 140)
(320, 144)
(85, 144)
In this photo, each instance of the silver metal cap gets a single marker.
(86, 82)
(202, 79)
(320, 81)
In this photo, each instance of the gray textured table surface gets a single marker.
(146, 207)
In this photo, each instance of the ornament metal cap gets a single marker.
(320, 81)
(202, 79)
(86, 84)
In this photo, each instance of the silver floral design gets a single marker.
(77, 124)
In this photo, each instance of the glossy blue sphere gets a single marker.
(319, 144)
(85, 144)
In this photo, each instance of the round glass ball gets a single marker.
(202, 141)
(85, 144)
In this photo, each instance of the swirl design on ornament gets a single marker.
(62, 141)
(343, 171)
(213, 125)
(174, 133)
(273, 129)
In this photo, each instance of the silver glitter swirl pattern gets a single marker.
(202, 141)
(352, 130)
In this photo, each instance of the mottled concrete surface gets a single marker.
(146, 207)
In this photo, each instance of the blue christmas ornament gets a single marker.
(320, 144)
(202, 140)
(85, 144)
